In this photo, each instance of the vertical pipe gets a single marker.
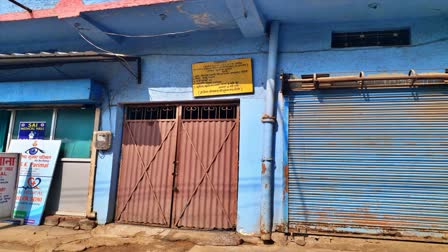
(268, 119)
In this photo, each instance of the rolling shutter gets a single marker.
(368, 161)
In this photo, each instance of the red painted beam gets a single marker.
(72, 8)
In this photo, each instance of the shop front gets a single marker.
(368, 158)
(64, 112)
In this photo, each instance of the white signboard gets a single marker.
(8, 183)
(37, 164)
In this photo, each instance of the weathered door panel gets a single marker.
(145, 182)
(206, 181)
(369, 161)
(207, 175)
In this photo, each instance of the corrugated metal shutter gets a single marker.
(369, 160)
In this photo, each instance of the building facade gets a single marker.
(345, 160)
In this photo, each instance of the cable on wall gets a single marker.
(151, 35)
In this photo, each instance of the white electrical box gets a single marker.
(102, 140)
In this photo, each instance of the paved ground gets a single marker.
(115, 238)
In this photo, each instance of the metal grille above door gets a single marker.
(369, 161)
(179, 166)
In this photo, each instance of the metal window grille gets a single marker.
(371, 38)
(151, 113)
(219, 112)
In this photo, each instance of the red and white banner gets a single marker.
(8, 182)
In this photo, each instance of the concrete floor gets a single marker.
(115, 237)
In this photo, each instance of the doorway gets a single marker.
(179, 166)
(73, 125)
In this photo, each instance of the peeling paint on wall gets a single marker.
(203, 19)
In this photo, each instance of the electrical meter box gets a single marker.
(102, 140)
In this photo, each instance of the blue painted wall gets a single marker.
(306, 49)
(50, 92)
(167, 76)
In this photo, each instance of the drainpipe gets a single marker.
(268, 119)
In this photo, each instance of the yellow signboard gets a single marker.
(222, 78)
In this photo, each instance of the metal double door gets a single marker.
(179, 166)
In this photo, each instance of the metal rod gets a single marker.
(443, 76)
(90, 213)
(54, 120)
(12, 121)
(21, 6)
(268, 119)
(25, 62)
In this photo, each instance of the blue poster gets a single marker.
(32, 130)
(32, 193)
(37, 164)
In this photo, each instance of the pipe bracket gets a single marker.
(412, 81)
(268, 119)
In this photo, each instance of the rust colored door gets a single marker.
(147, 162)
(179, 166)
(205, 195)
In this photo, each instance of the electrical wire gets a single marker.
(169, 92)
(97, 47)
(212, 27)
(152, 35)
(244, 16)
(208, 28)
(123, 61)
(259, 52)
(262, 52)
